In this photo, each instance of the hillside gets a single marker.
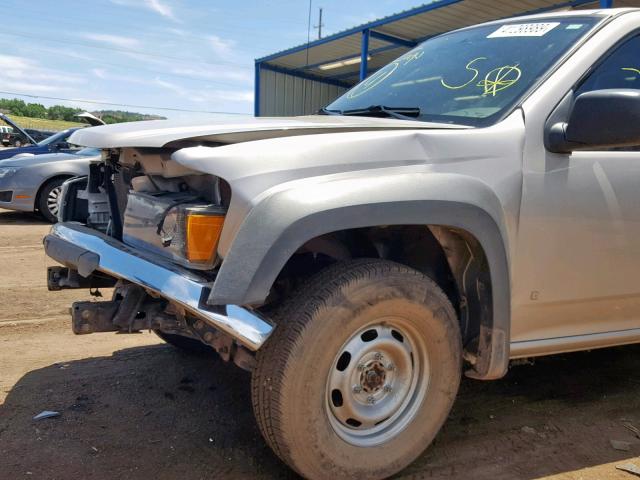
(44, 123)
(59, 117)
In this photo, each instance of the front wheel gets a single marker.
(360, 373)
(49, 199)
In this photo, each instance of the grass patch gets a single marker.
(44, 124)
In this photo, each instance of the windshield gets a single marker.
(88, 151)
(469, 77)
(55, 138)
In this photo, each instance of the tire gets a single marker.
(398, 383)
(186, 344)
(49, 194)
(17, 143)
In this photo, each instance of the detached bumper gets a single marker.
(87, 250)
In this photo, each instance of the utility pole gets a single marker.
(320, 25)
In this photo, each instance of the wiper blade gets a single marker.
(326, 111)
(402, 113)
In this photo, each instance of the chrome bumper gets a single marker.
(87, 250)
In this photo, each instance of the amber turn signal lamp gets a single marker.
(203, 233)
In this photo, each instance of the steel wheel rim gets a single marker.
(377, 382)
(53, 200)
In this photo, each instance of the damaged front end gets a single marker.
(150, 228)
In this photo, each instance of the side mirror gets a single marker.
(61, 146)
(599, 119)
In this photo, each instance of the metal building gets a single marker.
(300, 80)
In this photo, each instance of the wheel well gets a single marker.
(36, 203)
(450, 256)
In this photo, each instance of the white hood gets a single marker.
(160, 133)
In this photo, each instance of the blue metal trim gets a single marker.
(346, 57)
(364, 54)
(256, 93)
(376, 23)
(392, 39)
(306, 76)
(355, 74)
(572, 3)
(606, 3)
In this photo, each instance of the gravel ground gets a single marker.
(132, 407)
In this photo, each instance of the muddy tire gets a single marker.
(361, 372)
(186, 344)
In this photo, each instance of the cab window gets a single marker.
(621, 69)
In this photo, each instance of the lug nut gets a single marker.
(361, 366)
(378, 356)
(391, 366)
(357, 389)
(371, 400)
(387, 388)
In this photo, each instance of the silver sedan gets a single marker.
(33, 183)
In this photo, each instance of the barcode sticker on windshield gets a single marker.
(524, 30)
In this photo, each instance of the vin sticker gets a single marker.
(524, 30)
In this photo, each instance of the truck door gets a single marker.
(579, 241)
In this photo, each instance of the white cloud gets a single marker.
(9, 62)
(171, 86)
(207, 95)
(30, 88)
(99, 72)
(26, 75)
(157, 6)
(214, 74)
(161, 8)
(222, 47)
(178, 31)
(114, 40)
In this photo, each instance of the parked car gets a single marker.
(39, 135)
(34, 182)
(24, 142)
(473, 202)
(4, 130)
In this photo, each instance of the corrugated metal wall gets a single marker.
(285, 95)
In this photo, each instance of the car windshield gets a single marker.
(468, 77)
(55, 138)
(88, 151)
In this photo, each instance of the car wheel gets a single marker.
(186, 344)
(49, 199)
(361, 372)
(17, 143)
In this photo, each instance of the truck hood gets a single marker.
(164, 133)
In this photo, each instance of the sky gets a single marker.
(183, 54)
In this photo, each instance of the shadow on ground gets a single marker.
(153, 412)
(143, 413)
(9, 217)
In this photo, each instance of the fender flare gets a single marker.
(284, 221)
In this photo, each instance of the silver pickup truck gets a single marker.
(475, 201)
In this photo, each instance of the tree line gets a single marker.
(21, 108)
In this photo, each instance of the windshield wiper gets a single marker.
(326, 111)
(402, 113)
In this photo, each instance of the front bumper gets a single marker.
(87, 250)
(17, 193)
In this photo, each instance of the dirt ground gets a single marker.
(132, 407)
